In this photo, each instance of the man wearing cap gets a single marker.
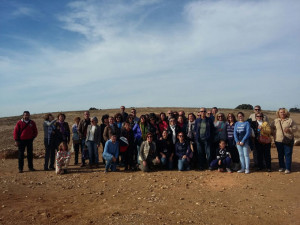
(24, 133)
(93, 138)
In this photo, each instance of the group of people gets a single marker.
(209, 140)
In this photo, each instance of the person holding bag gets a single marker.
(262, 141)
(283, 129)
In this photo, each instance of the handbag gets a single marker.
(286, 140)
(264, 139)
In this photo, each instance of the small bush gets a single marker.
(244, 106)
(294, 110)
(93, 108)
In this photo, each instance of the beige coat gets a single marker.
(286, 123)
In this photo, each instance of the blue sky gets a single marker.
(72, 55)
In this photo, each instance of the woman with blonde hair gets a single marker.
(283, 129)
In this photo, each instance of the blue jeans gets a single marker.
(183, 164)
(166, 162)
(93, 152)
(203, 153)
(244, 156)
(84, 154)
(49, 154)
(225, 163)
(109, 163)
(284, 151)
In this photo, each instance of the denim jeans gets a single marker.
(93, 152)
(84, 155)
(109, 163)
(225, 163)
(49, 154)
(244, 156)
(203, 153)
(284, 151)
(166, 162)
(183, 164)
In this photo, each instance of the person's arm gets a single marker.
(105, 134)
(248, 132)
(235, 133)
(68, 132)
(142, 151)
(34, 129)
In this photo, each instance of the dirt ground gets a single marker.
(89, 196)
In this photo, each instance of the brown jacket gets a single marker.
(286, 123)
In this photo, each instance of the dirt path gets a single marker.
(88, 196)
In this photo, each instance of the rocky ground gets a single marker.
(89, 196)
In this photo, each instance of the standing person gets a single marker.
(82, 134)
(148, 155)
(111, 129)
(242, 131)
(111, 153)
(63, 157)
(127, 132)
(283, 129)
(190, 137)
(204, 129)
(173, 130)
(153, 128)
(181, 122)
(93, 139)
(119, 120)
(133, 113)
(183, 153)
(62, 130)
(231, 142)
(166, 150)
(48, 126)
(24, 133)
(140, 131)
(214, 111)
(104, 124)
(123, 113)
(257, 109)
(170, 115)
(262, 142)
(163, 122)
(76, 139)
(220, 133)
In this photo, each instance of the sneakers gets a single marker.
(241, 171)
(287, 171)
(281, 170)
(228, 170)
(247, 171)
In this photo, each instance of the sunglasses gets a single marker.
(202, 111)
(256, 109)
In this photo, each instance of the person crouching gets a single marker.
(63, 157)
(111, 153)
(223, 159)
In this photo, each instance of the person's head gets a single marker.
(162, 116)
(127, 126)
(231, 117)
(48, 117)
(180, 137)
(172, 121)
(142, 119)
(259, 116)
(283, 113)
(113, 138)
(104, 118)
(240, 116)
(133, 112)
(118, 118)
(180, 119)
(191, 117)
(257, 109)
(221, 117)
(214, 110)
(63, 146)
(181, 113)
(175, 114)
(222, 144)
(130, 118)
(202, 112)
(61, 117)
(149, 137)
(111, 120)
(164, 134)
(152, 120)
(94, 120)
(26, 115)
(209, 113)
(86, 115)
(198, 115)
(170, 113)
(122, 108)
(77, 120)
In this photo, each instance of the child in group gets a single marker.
(62, 158)
(223, 159)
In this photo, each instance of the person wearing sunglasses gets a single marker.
(204, 130)
(257, 109)
(148, 155)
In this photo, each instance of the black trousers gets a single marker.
(29, 145)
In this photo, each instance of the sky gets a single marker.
(65, 55)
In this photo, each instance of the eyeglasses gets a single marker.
(180, 135)
(149, 136)
(202, 111)
(220, 116)
(256, 109)
(208, 113)
(258, 116)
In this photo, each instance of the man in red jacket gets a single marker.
(24, 134)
